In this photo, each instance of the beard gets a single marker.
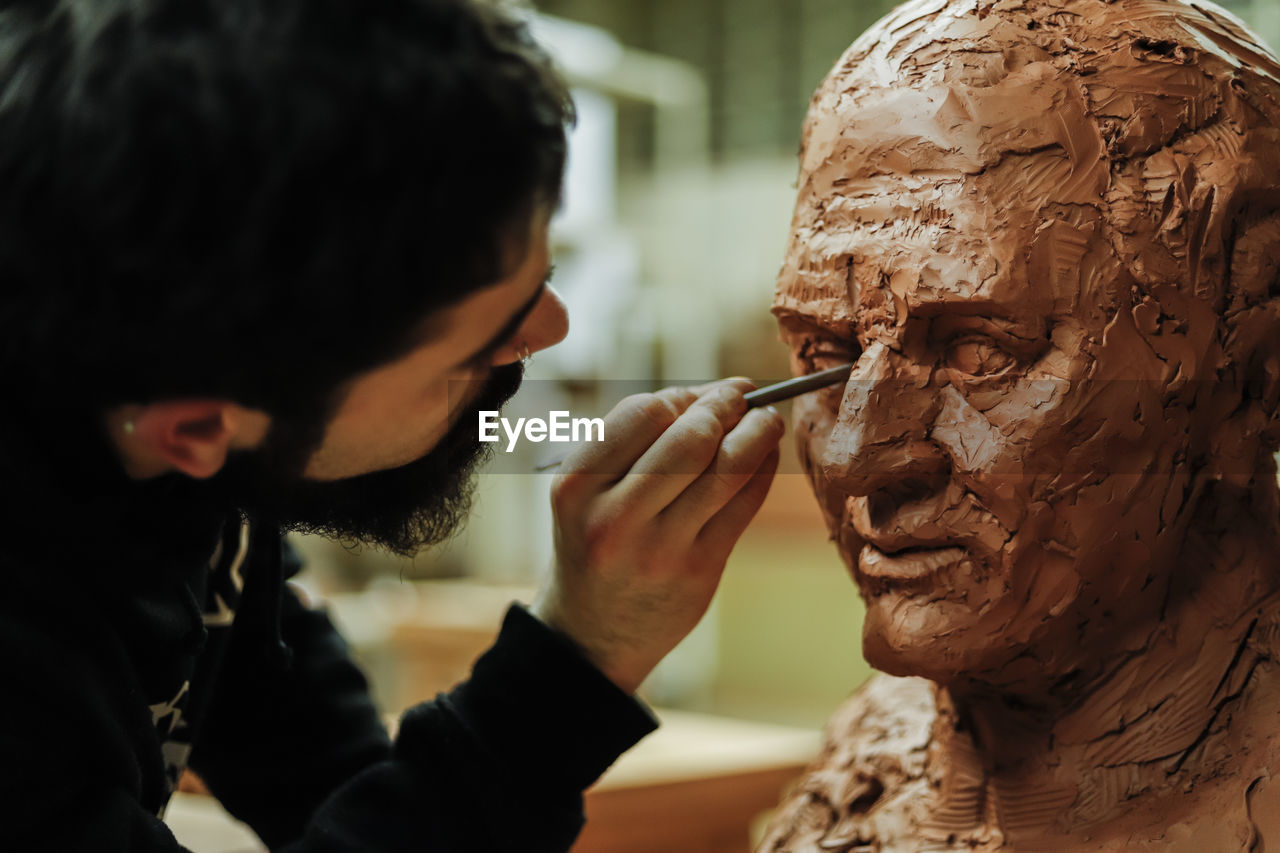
(402, 510)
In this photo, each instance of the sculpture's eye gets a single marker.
(822, 352)
(977, 355)
(817, 346)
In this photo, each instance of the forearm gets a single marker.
(499, 763)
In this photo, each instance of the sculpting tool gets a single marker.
(777, 392)
(789, 388)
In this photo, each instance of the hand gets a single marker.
(646, 518)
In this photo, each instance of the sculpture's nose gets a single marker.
(881, 433)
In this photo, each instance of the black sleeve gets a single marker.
(70, 779)
(279, 738)
(498, 764)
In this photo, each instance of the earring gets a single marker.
(524, 352)
(129, 428)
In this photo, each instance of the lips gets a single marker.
(912, 539)
(908, 564)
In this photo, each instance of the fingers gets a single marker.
(630, 430)
(727, 525)
(639, 555)
(689, 445)
(683, 452)
(738, 381)
(736, 462)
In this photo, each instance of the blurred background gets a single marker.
(679, 193)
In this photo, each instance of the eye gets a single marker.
(978, 355)
(816, 345)
(820, 352)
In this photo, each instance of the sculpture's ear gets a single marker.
(1251, 333)
(1263, 381)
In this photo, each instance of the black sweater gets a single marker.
(148, 656)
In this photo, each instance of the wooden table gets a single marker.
(694, 786)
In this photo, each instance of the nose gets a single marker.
(546, 326)
(881, 433)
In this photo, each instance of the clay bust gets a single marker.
(1048, 234)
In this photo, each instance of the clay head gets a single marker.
(1048, 236)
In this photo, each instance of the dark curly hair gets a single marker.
(255, 199)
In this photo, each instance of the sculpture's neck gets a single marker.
(1155, 717)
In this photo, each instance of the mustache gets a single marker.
(915, 515)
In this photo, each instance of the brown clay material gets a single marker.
(1048, 233)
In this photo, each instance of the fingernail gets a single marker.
(777, 418)
(728, 392)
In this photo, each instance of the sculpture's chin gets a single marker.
(913, 635)
(952, 626)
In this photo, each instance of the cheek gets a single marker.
(444, 396)
(812, 422)
(447, 398)
(1094, 470)
(813, 419)
(417, 421)
(992, 454)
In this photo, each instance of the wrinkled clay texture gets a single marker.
(1048, 234)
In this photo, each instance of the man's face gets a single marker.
(393, 464)
(995, 471)
(396, 413)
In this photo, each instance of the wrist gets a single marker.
(599, 652)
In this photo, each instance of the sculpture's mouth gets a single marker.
(908, 565)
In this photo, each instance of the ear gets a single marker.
(191, 436)
(1250, 416)
(1251, 321)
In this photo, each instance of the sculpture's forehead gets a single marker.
(956, 152)
(902, 48)
(935, 188)
(955, 124)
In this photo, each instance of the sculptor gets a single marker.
(1048, 234)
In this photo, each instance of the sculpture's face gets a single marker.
(996, 469)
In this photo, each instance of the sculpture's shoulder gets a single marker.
(869, 779)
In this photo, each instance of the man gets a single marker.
(262, 261)
(1047, 234)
